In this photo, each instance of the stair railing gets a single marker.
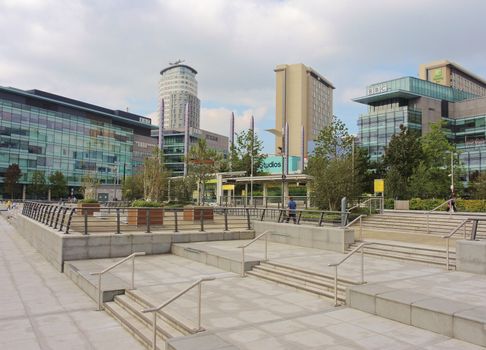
(250, 243)
(155, 309)
(360, 225)
(109, 268)
(337, 264)
(452, 233)
(437, 207)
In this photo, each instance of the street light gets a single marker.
(451, 175)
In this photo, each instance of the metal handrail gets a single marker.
(175, 297)
(430, 211)
(336, 265)
(249, 243)
(369, 200)
(360, 225)
(109, 268)
(452, 233)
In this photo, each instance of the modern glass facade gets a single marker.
(377, 127)
(48, 133)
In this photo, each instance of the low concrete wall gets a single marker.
(471, 256)
(45, 240)
(57, 247)
(324, 237)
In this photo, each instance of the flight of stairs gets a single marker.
(408, 252)
(126, 309)
(416, 222)
(312, 282)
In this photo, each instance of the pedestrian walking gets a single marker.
(292, 208)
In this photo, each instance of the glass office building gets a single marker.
(46, 132)
(416, 103)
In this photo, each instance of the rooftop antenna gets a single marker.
(179, 61)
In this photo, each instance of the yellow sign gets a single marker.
(379, 185)
(228, 187)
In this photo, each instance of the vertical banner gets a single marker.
(231, 138)
(186, 137)
(302, 150)
(161, 127)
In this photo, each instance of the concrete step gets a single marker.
(136, 327)
(409, 253)
(223, 259)
(297, 284)
(309, 281)
(448, 317)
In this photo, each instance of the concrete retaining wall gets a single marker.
(324, 237)
(471, 256)
(57, 247)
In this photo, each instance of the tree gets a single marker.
(38, 186)
(132, 187)
(58, 184)
(154, 177)
(478, 186)
(203, 162)
(336, 172)
(246, 144)
(402, 156)
(12, 177)
(181, 189)
(431, 177)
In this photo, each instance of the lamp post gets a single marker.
(452, 170)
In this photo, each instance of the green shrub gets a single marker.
(389, 203)
(88, 201)
(145, 204)
(426, 204)
(471, 205)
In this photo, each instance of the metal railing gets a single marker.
(263, 201)
(101, 273)
(431, 211)
(337, 264)
(97, 219)
(360, 218)
(154, 310)
(243, 247)
(474, 228)
(368, 203)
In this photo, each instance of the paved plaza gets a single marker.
(42, 309)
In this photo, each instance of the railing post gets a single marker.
(154, 331)
(68, 225)
(465, 230)
(132, 285)
(100, 293)
(298, 219)
(335, 285)
(362, 264)
(57, 218)
(321, 218)
(225, 212)
(147, 217)
(447, 253)
(199, 292)
(85, 221)
(201, 219)
(263, 214)
(280, 215)
(117, 220)
(248, 219)
(266, 247)
(53, 215)
(242, 261)
(63, 217)
(360, 228)
(176, 224)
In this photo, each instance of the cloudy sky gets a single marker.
(110, 52)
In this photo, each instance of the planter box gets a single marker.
(138, 216)
(90, 208)
(402, 205)
(194, 213)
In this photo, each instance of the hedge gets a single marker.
(464, 205)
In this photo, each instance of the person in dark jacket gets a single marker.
(292, 206)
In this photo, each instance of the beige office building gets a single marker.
(303, 99)
(453, 75)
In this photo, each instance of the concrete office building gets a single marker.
(304, 101)
(47, 132)
(416, 103)
(453, 75)
(174, 146)
(178, 86)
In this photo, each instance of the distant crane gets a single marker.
(179, 61)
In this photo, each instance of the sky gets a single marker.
(110, 52)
